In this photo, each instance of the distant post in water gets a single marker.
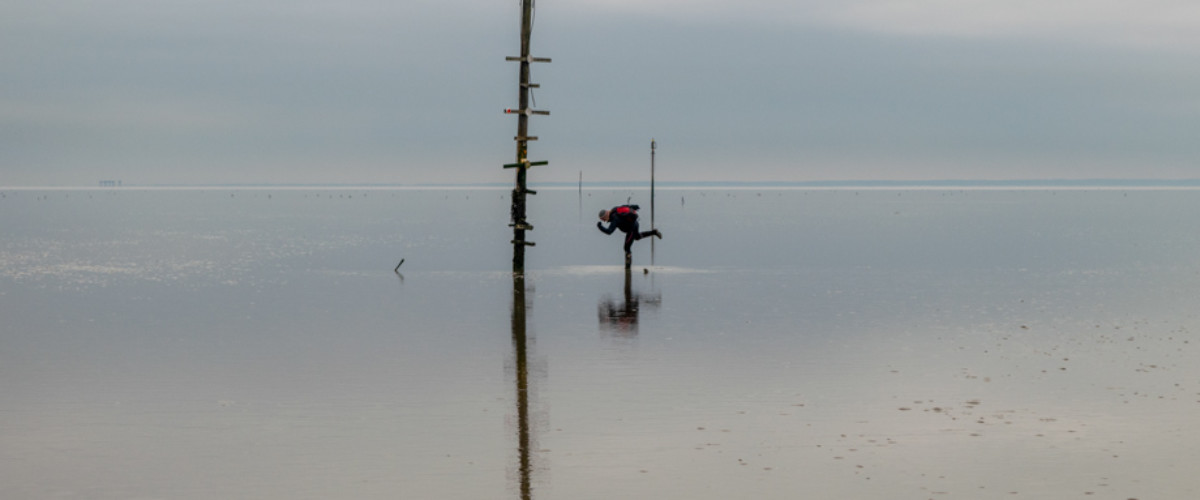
(518, 222)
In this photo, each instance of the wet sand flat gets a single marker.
(256, 343)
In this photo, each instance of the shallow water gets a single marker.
(228, 343)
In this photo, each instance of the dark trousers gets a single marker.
(633, 235)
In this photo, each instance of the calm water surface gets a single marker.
(222, 343)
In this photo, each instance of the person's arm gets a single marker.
(612, 226)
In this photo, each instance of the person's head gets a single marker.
(604, 215)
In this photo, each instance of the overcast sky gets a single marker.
(413, 91)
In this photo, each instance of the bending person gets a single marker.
(625, 218)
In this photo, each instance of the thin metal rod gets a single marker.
(653, 146)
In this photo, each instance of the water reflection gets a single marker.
(521, 361)
(620, 318)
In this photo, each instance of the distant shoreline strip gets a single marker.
(1020, 184)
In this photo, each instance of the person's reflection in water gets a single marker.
(620, 318)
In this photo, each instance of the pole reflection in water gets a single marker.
(524, 390)
(621, 318)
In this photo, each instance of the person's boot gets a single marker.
(658, 233)
(628, 260)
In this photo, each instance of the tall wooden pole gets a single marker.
(518, 223)
(518, 198)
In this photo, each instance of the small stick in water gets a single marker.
(397, 270)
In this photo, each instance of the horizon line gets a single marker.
(644, 184)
